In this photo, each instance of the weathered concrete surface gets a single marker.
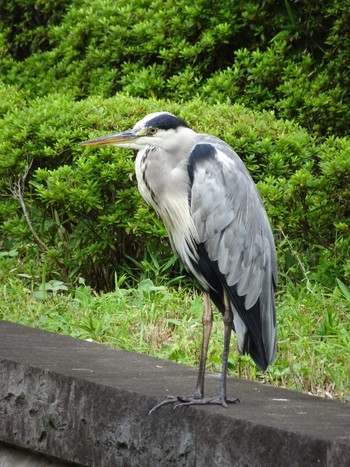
(14, 457)
(88, 404)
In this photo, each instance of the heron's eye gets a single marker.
(152, 131)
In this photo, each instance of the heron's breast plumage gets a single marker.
(169, 196)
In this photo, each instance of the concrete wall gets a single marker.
(88, 404)
(15, 457)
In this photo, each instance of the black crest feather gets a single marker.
(166, 121)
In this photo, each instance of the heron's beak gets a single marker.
(119, 139)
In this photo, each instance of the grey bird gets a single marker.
(217, 224)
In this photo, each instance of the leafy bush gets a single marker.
(285, 55)
(104, 47)
(84, 205)
(25, 24)
(295, 88)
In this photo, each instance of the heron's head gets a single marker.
(159, 129)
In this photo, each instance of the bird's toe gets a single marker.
(184, 401)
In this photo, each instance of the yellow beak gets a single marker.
(125, 137)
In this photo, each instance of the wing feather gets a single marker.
(233, 227)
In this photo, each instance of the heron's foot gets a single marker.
(183, 401)
(216, 400)
(167, 400)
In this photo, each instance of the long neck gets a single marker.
(162, 172)
(166, 187)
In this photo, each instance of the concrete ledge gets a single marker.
(88, 404)
(16, 457)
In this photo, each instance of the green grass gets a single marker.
(313, 326)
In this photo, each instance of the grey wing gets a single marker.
(233, 227)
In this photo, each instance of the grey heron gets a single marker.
(217, 224)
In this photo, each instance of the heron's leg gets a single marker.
(197, 398)
(207, 321)
(221, 398)
(228, 326)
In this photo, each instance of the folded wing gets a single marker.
(236, 246)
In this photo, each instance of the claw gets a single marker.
(180, 401)
(167, 400)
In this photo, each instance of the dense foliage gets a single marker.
(286, 55)
(84, 205)
(81, 208)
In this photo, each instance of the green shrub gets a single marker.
(296, 88)
(285, 55)
(10, 99)
(25, 23)
(104, 47)
(81, 205)
(84, 205)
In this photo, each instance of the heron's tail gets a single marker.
(253, 337)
